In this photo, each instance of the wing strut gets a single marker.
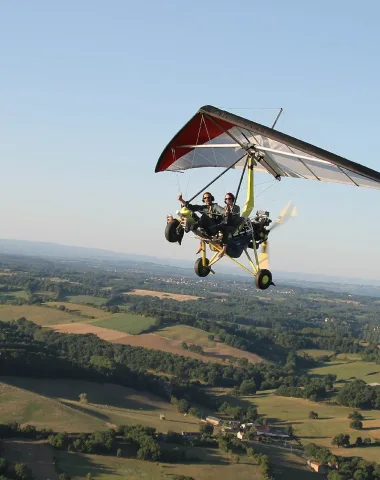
(216, 178)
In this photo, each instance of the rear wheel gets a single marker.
(174, 231)
(200, 269)
(263, 279)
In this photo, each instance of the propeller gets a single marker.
(289, 211)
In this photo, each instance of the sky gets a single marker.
(91, 92)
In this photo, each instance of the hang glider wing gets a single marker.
(216, 138)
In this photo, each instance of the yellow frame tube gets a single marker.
(203, 247)
(255, 268)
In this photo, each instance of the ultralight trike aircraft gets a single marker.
(217, 138)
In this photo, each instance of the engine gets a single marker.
(260, 224)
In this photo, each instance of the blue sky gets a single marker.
(92, 91)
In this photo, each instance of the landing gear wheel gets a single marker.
(174, 231)
(263, 279)
(200, 270)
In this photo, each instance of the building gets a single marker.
(213, 420)
(263, 429)
(242, 436)
(317, 467)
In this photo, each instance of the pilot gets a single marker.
(212, 213)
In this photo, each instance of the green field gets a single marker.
(99, 301)
(81, 308)
(36, 314)
(367, 371)
(332, 421)
(315, 353)
(126, 322)
(23, 406)
(15, 294)
(183, 333)
(211, 466)
(55, 404)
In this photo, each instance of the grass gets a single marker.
(99, 301)
(55, 404)
(19, 405)
(213, 466)
(153, 293)
(184, 333)
(16, 294)
(83, 309)
(315, 353)
(332, 421)
(367, 371)
(36, 314)
(215, 350)
(126, 322)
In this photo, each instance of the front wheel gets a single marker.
(200, 269)
(174, 231)
(263, 279)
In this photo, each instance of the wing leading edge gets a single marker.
(216, 138)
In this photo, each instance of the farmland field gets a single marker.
(315, 353)
(126, 322)
(367, 371)
(213, 466)
(39, 315)
(24, 406)
(219, 353)
(332, 421)
(36, 455)
(85, 328)
(15, 294)
(83, 309)
(172, 296)
(55, 404)
(183, 333)
(87, 299)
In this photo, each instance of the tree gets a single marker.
(3, 465)
(64, 476)
(23, 472)
(247, 387)
(358, 442)
(183, 406)
(243, 362)
(341, 440)
(206, 429)
(313, 415)
(334, 475)
(355, 415)
(83, 398)
(356, 424)
(184, 346)
(182, 477)
(195, 412)
(361, 475)
(290, 431)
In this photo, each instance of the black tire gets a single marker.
(263, 279)
(200, 270)
(174, 231)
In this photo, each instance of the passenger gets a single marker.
(232, 220)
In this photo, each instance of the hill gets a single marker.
(168, 340)
(55, 404)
